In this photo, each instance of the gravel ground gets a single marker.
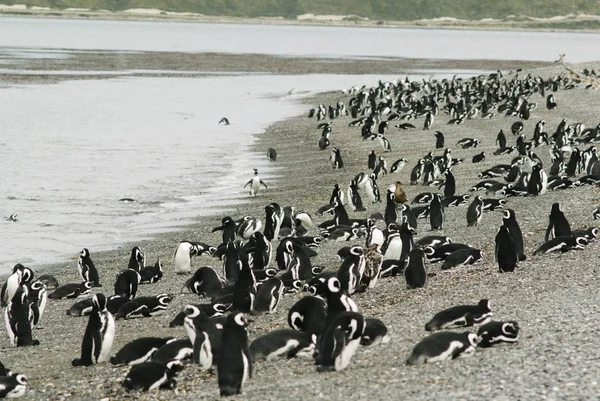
(554, 298)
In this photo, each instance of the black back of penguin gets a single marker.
(461, 316)
(415, 271)
(558, 226)
(308, 315)
(151, 375)
(138, 351)
(505, 250)
(18, 315)
(234, 365)
(436, 213)
(442, 346)
(268, 295)
(286, 343)
(127, 283)
(340, 341)
(509, 220)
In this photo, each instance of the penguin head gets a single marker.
(27, 275)
(255, 171)
(88, 285)
(38, 286)
(511, 328)
(21, 379)
(357, 250)
(334, 285)
(485, 304)
(508, 214)
(473, 339)
(192, 311)
(84, 253)
(581, 242)
(99, 302)
(164, 299)
(240, 319)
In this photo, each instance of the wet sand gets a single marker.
(554, 298)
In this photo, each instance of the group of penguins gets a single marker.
(325, 324)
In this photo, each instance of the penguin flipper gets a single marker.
(248, 183)
(262, 183)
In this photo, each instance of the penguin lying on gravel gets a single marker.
(443, 346)
(461, 316)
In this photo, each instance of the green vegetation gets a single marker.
(404, 10)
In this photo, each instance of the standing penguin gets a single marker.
(558, 225)
(340, 341)
(234, 365)
(475, 211)
(509, 220)
(255, 183)
(436, 213)
(428, 120)
(137, 259)
(99, 334)
(391, 214)
(336, 159)
(268, 295)
(450, 185)
(506, 252)
(127, 283)
(501, 139)
(87, 269)
(372, 160)
(439, 140)
(415, 271)
(18, 317)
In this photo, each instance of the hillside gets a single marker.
(407, 10)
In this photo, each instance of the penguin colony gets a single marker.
(256, 263)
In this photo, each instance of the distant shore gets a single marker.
(571, 22)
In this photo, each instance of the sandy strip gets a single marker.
(553, 298)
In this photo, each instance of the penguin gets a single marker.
(562, 244)
(224, 121)
(126, 283)
(441, 252)
(385, 144)
(415, 270)
(85, 306)
(450, 184)
(443, 346)
(49, 280)
(375, 333)
(20, 276)
(247, 226)
(144, 307)
(308, 315)
(18, 317)
(436, 213)
(558, 225)
(229, 227)
(99, 334)
(205, 282)
(461, 316)
(38, 297)
(550, 102)
(340, 341)
(475, 211)
(424, 198)
(468, 143)
(13, 218)
(392, 247)
(506, 253)
(285, 343)
(516, 127)
(439, 140)
(479, 158)
(324, 143)
(71, 291)
(137, 260)
(538, 181)
(433, 241)
(148, 376)
(151, 274)
(244, 289)
(372, 160)
(268, 295)
(391, 214)
(493, 333)
(509, 220)
(345, 233)
(352, 269)
(204, 335)
(182, 257)
(13, 386)
(255, 183)
(455, 200)
(398, 165)
(176, 350)
(272, 154)
(273, 220)
(139, 350)
(490, 205)
(234, 365)
(87, 269)
(462, 257)
(336, 159)
(428, 120)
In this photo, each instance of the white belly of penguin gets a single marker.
(108, 336)
(291, 344)
(447, 354)
(246, 364)
(206, 356)
(394, 249)
(343, 359)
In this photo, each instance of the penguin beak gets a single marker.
(217, 229)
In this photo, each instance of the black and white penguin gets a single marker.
(479, 158)
(49, 280)
(20, 276)
(462, 257)
(308, 315)
(461, 316)
(398, 165)
(228, 227)
(441, 252)
(85, 306)
(273, 219)
(148, 376)
(282, 343)
(247, 226)
(87, 269)
(375, 332)
(272, 154)
(439, 140)
(72, 290)
(139, 350)
(415, 271)
(244, 289)
(234, 365)
(562, 244)
(340, 341)
(455, 200)
(99, 334)
(126, 283)
(392, 247)
(509, 220)
(433, 241)
(137, 260)
(205, 282)
(443, 346)
(255, 183)
(501, 139)
(176, 350)
(144, 307)
(505, 251)
(423, 198)
(13, 386)
(550, 102)
(336, 159)
(428, 120)
(151, 274)
(558, 226)
(450, 184)
(468, 143)
(38, 297)
(18, 317)
(268, 295)
(493, 333)
(371, 160)
(384, 142)
(182, 258)
(224, 121)
(350, 272)
(436, 213)
(204, 335)
(475, 211)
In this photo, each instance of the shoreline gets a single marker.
(517, 23)
(403, 311)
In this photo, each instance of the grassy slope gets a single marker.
(373, 9)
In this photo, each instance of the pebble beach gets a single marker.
(554, 297)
